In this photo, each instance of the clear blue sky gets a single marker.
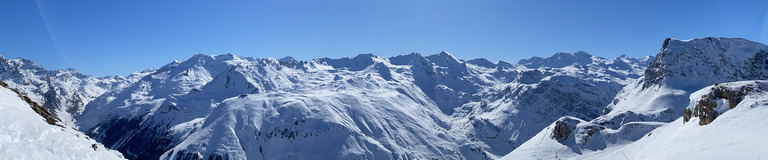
(116, 37)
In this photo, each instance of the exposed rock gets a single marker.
(561, 130)
(49, 118)
(706, 108)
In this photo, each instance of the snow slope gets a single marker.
(659, 97)
(682, 67)
(63, 92)
(25, 135)
(735, 133)
(405, 107)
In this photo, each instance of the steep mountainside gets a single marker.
(63, 92)
(26, 134)
(682, 67)
(407, 106)
(735, 127)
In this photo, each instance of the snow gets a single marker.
(63, 92)
(406, 107)
(25, 135)
(402, 107)
(735, 134)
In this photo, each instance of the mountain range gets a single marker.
(569, 105)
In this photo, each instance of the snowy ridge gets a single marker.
(684, 66)
(684, 138)
(367, 106)
(63, 92)
(24, 134)
(660, 96)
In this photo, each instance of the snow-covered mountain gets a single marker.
(735, 125)
(681, 67)
(63, 92)
(27, 131)
(569, 105)
(405, 107)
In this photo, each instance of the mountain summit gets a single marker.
(407, 107)
(410, 106)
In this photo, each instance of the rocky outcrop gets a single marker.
(719, 99)
(49, 118)
(561, 130)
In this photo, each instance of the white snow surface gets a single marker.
(660, 96)
(25, 135)
(735, 134)
(63, 92)
(403, 107)
(681, 67)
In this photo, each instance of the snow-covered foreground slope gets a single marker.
(682, 67)
(63, 92)
(25, 135)
(735, 133)
(367, 106)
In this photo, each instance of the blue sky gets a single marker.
(116, 37)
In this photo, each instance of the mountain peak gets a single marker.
(560, 59)
(582, 54)
(287, 59)
(695, 63)
(444, 59)
(482, 62)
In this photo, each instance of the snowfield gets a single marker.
(402, 107)
(567, 106)
(667, 93)
(25, 135)
(735, 134)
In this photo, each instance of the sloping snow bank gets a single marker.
(25, 135)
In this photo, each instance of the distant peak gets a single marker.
(365, 56)
(444, 59)
(560, 59)
(199, 55)
(482, 62)
(582, 54)
(445, 53)
(225, 57)
(287, 59)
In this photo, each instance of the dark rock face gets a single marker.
(561, 130)
(687, 115)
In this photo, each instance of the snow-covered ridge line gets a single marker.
(65, 92)
(734, 127)
(27, 131)
(668, 90)
(477, 109)
(49, 118)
